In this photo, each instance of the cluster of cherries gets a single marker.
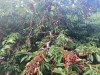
(71, 58)
(33, 66)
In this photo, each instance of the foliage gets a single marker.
(50, 37)
(56, 60)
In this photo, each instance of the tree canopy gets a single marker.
(49, 37)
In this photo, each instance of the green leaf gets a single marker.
(29, 57)
(91, 57)
(52, 8)
(87, 72)
(59, 71)
(24, 58)
(92, 73)
(40, 73)
(97, 57)
(60, 64)
(47, 65)
(6, 46)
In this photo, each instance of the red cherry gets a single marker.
(71, 58)
(76, 61)
(64, 65)
(66, 61)
(82, 66)
(64, 56)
